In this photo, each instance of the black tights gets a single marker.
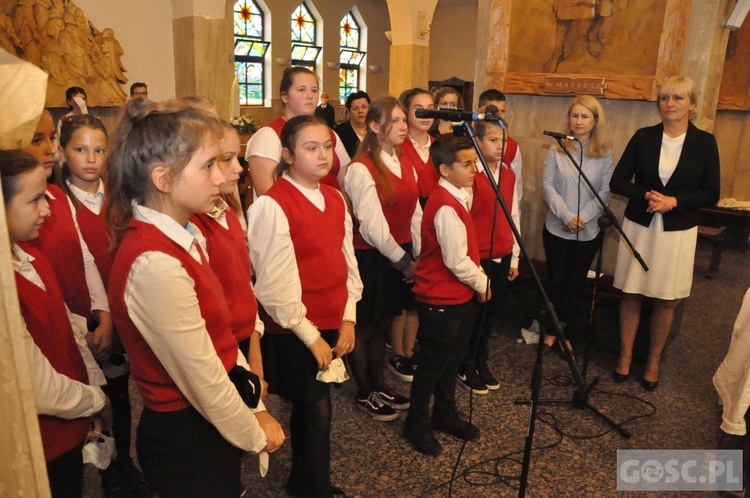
(310, 429)
(366, 359)
(119, 394)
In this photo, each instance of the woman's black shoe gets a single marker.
(649, 385)
(620, 378)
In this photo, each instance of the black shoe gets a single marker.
(422, 439)
(489, 380)
(390, 397)
(401, 368)
(470, 380)
(456, 427)
(649, 385)
(620, 378)
(374, 405)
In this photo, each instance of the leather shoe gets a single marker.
(620, 378)
(649, 385)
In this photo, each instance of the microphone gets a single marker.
(454, 115)
(561, 136)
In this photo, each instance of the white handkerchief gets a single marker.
(335, 373)
(263, 460)
(99, 451)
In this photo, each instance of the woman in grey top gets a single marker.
(571, 232)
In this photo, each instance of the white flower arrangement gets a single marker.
(243, 124)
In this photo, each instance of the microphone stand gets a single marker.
(580, 396)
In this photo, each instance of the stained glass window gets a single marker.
(249, 51)
(350, 56)
(304, 37)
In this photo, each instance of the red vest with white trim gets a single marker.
(318, 238)
(228, 256)
(47, 321)
(483, 210)
(98, 236)
(157, 388)
(434, 283)
(400, 205)
(427, 175)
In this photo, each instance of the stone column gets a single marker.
(410, 50)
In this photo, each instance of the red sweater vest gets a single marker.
(511, 149)
(318, 238)
(427, 175)
(230, 261)
(483, 211)
(156, 387)
(58, 241)
(434, 283)
(399, 208)
(98, 236)
(47, 322)
(330, 179)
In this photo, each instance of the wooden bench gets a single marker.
(716, 237)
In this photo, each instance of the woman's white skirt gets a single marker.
(670, 257)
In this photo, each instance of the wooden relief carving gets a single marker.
(56, 36)
(735, 80)
(617, 49)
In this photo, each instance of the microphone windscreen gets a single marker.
(491, 109)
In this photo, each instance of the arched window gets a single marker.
(249, 51)
(304, 37)
(350, 56)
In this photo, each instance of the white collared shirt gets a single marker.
(277, 285)
(92, 201)
(360, 185)
(163, 305)
(451, 235)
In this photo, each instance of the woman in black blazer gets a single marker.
(668, 172)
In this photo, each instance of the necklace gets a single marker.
(358, 130)
(288, 177)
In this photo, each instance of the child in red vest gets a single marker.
(227, 250)
(61, 242)
(383, 190)
(299, 97)
(83, 148)
(300, 237)
(498, 250)
(199, 411)
(58, 375)
(446, 281)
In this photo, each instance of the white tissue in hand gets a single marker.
(99, 451)
(335, 373)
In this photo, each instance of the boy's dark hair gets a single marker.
(137, 84)
(491, 95)
(445, 148)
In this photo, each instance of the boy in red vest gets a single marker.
(512, 157)
(446, 279)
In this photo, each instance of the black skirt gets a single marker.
(385, 294)
(290, 368)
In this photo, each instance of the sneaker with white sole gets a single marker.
(489, 380)
(401, 368)
(377, 409)
(390, 397)
(472, 382)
